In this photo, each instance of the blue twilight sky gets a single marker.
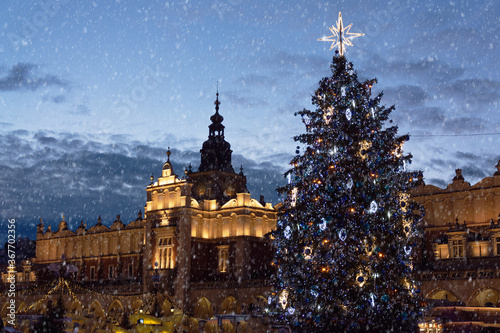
(93, 92)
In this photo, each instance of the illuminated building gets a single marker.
(460, 257)
(202, 234)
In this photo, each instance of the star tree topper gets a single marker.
(340, 35)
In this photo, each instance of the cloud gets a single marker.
(257, 80)
(406, 95)
(58, 99)
(428, 118)
(85, 177)
(80, 109)
(473, 91)
(297, 64)
(466, 125)
(23, 76)
(45, 140)
(427, 70)
(236, 98)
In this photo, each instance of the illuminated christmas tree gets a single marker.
(347, 233)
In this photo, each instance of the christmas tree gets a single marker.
(347, 232)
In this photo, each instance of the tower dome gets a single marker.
(216, 152)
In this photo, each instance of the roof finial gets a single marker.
(168, 155)
(217, 103)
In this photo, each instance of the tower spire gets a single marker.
(217, 103)
(216, 152)
(216, 128)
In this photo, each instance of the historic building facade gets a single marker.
(202, 237)
(460, 254)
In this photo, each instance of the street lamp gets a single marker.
(156, 282)
(156, 277)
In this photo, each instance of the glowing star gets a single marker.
(341, 36)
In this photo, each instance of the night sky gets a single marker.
(93, 93)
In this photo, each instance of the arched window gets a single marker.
(223, 258)
(166, 249)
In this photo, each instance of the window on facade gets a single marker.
(458, 248)
(497, 241)
(130, 271)
(166, 249)
(92, 273)
(223, 258)
(111, 272)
